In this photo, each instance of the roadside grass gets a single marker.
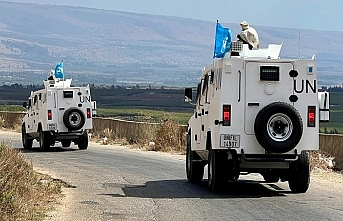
(11, 108)
(24, 193)
(168, 137)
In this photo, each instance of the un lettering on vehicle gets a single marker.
(230, 140)
(85, 99)
(305, 86)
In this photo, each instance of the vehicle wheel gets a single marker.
(65, 143)
(278, 127)
(271, 176)
(194, 169)
(299, 179)
(217, 165)
(44, 140)
(83, 141)
(74, 119)
(27, 143)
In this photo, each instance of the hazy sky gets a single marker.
(303, 14)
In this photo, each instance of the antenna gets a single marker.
(299, 44)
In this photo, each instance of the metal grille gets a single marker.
(269, 73)
(236, 46)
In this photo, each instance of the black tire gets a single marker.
(74, 119)
(217, 174)
(44, 140)
(278, 127)
(27, 143)
(194, 170)
(83, 141)
(65, 143)
(271, 176)
(299, 179)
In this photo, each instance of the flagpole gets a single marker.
(214, 50)
(63, 69)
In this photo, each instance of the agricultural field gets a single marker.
(336, 114)
(145, 115)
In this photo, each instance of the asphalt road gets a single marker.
(119, 183)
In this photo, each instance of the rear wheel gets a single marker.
(44, 140)
(299, 179)
(194, 169)
(217, 174)
(66, 143)
(83, 141)
(27, 143)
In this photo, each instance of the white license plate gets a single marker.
(51, 126)
(229, 140)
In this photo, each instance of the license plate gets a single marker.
(229, 140)
(51, 126)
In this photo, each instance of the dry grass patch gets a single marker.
(12, 124)
(321, 161)
(168, 137)
(24, 194)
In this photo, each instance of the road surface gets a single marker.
(119, 183)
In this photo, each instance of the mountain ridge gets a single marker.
(106, 46)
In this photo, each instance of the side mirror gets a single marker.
(25, 104)
(188, 95)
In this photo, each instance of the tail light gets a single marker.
(49, 115)
(311, 116)
(226, 115)
(89, 115)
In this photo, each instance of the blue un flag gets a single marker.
(59, 71)
(222, 42)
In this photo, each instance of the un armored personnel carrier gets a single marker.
(255, 113)
(58, 113)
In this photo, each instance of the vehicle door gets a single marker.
(198, 118)
(29, 117)
(265, 83)
(66, 98)
(205, 93)
(35, 111)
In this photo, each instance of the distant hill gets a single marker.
(119, 48)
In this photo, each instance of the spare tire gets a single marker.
(74, 119)
(278, 127)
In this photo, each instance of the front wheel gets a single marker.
(83, 141)
(194, 169)
(27, 143)
(299, 179)
(44, 140)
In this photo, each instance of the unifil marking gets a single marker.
(308, 85)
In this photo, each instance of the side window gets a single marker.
(29, 104)
(205, 84)
(35, 99)
(198, 91)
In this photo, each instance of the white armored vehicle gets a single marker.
(255, 113)
(59, 112)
